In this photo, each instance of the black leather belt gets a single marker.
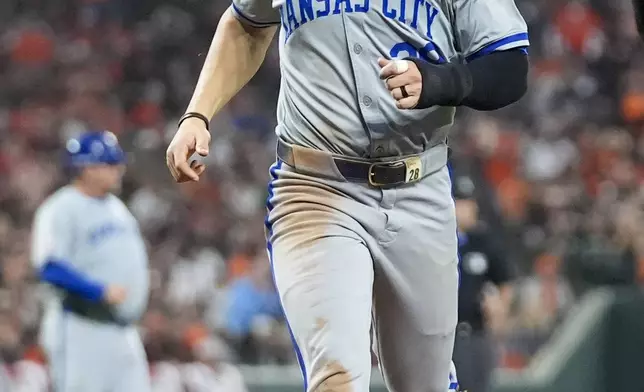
(377, 174)
(98, 312)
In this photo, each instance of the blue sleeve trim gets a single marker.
(519, 37)
(63, 276)
(251, 21)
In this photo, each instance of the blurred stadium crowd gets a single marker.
(558, 175)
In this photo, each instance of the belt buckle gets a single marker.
(413, 171)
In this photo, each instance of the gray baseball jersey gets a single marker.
(350, 258)
(99, 238)
(331, 97)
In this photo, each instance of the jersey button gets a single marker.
(357, 48)
(366, 100)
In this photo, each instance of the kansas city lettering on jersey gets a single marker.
(104, 231)
(296, 13)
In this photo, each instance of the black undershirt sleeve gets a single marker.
(489, 82)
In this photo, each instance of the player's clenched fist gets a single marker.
(403, 80)
(192, 137)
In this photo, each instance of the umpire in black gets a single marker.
(485, 293)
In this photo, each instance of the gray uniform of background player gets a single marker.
(344, 253)
(101, 239)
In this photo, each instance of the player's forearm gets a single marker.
(236, 53)
(488, 83)
(65, 277)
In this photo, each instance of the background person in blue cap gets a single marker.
(485, 292)
(88, 248)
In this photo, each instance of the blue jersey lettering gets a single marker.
(347, 6)
(311, 10)
(306, 9)
(322, 12)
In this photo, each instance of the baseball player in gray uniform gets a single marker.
(361, 228)
(87, 246)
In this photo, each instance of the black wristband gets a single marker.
(195, 115)
(443, 84)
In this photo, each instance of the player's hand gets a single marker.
(191, 137)
(403, 80)
(114, 295)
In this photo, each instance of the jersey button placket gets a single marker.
(366, 100)
(363, 61)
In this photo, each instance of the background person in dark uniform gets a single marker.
(485, 293)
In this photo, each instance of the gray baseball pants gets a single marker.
(87, 356)
(350, 260)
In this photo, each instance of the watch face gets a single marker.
(475, 263)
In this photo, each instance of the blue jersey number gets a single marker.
(428, 53)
